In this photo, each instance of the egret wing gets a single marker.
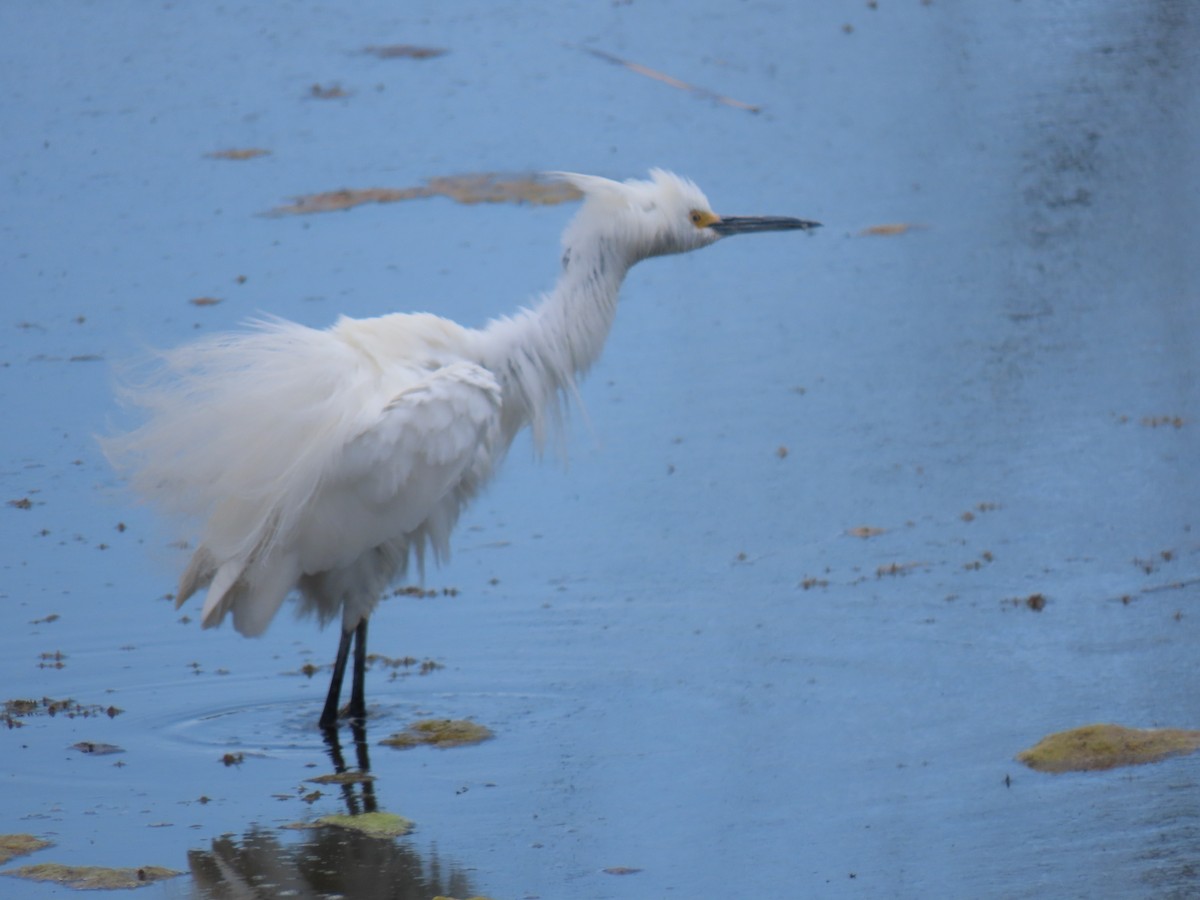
(428, 442)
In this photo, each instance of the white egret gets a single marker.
(320, 461)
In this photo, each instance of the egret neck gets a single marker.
(538, 353)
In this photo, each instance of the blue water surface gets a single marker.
(768, 633)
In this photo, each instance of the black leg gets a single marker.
(358, 701)
(329, 716)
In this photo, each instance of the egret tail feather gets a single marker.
(199, 574)
(222, 590)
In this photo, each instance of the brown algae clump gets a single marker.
(439, 733)
(19, 845)
(481, 187)
(85, 878)
(1103, 746)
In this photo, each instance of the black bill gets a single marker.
(749, 224)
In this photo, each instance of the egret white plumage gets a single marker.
(321, 462)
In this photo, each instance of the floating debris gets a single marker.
(866, 531)
(238, 154)
(1126, 599)
(401, 666)
(1036, 602)
(374, 824)
(898, 568)
(482, 187)
(205, 301)
(969, 515)
(672, 81)
(85, 878)
(97, 748)
(620, 870)
(18, 709)
(1160, 421)
(1150, 565)
(890, 229)
(415, 590)
(1104, 746)
(391, 662)
(22, 503)
(985, 558)
(439, 733)
(12, 845)
(405, 51)
(331, 92)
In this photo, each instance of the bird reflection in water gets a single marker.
(325, 861)
(361, 800)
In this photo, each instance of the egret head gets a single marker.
(661, 215)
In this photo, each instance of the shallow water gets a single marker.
(692, 666)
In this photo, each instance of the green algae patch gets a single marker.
(20, 845)
(1105, 746)
(87, 878)
(375, 824)
(439, 733)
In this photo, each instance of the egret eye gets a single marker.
(697, 218)
(702, 218)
